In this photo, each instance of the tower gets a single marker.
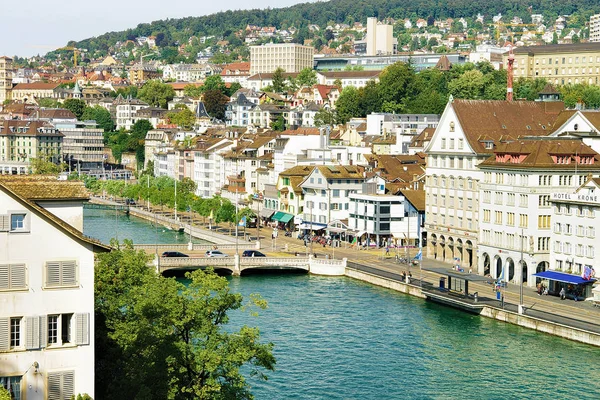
(5, 78)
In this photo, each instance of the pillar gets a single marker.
(236, 265)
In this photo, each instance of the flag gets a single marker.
(242, 221)
(419, 255)
(586, 275)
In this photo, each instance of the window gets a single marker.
(510, 219)
(523, 220)
(443, 143)
(13, 385)
(15, 332)
(53, 329)
(13, 277)
(498, 217)
(460, 144)
(61, 273)
(486, 215)
(543, 221)
(61, 385)
(336, 192)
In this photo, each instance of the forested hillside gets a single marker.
(224, 24)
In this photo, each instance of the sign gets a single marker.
(576, 197)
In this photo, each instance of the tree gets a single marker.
(76, 106)
(469, 85)
(192, 90)
(278, 80)
(306, 78)
(325, 117)
(101, 115)
(4, 394)
(176, 332)
(234, 87)
(554, 38)
(43, 167)
(347, 104)
(156, 93)
(216, 103)
(278, 124)
(395, 83)
(48, 103)
(214, 82)
(184, 118)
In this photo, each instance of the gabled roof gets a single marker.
(201, 111)
(36, 86)
(56, 113)
(29, 190)
(497, 120)
(415, 197)
(443, 63)
(422, 138)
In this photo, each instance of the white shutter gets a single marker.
(32, 333)
(4, 277)
(4, 223)
(43, 335)
(69, 273)
(4, 334)
(53, 273)
(18, 276)
(82, 335)
(68, 385)
(54, 383)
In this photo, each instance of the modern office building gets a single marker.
(291, 57)
(5, 78)
(595, 28)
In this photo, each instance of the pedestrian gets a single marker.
(562, 293)
(387, 250)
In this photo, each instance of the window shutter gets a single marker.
(53, 273)
(4, 334)
(32, 330)
(18, 276)
(83, 329)
(4, 277)
(69, 273)
(43, 334)
(4, 223)
(54, 379)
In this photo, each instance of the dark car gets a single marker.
(252, 253)
(130, 202)
(174, 254)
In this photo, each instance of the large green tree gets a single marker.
(102, 117)
(347, 105)
(76, 106)
(184, 118)
(216, 103)
(278, 80)
(214, 82)
(160, 339)
(156, 93)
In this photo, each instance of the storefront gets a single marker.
(575, 286)
(282, 219)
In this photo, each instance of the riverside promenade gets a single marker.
(384, 271)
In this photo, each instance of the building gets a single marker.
(236, 72)
(291, 57)
(575, 222)
(186, 72)
(291, 198)
(36, 90)
(140, 73)
(595, 28)
(467, 134)
(21, 141)
(47, 318)
(380, 38)
(327, 193)
(125, 111)
(377, 63)
(6, 76)
(559, 63)
(358, 79)
(515, 211)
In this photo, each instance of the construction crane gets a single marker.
(499, 25)
(75, 51)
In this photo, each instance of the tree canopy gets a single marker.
(156, 93)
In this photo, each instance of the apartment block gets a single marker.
(291, 57)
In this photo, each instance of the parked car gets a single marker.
(252, 253)
(130, 202)
(174, 254)
(215, 253)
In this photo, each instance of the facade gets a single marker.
(140, 73)
(22, 141)
(209, 166)
(515, 210)
(83, 145)
(575, 225)
(291, 57)
(238, 111)
(467, 134)
(47, 321)
(236, 72)
(595, 28)
(36, 90)
(6, 78)
(380, 38)
(290, 196)
(559, 63)
(125, 111)
(327, 190)
(186, 72)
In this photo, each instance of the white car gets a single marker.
(215, 253)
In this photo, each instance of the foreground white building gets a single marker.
(47, 295)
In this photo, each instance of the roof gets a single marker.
(56, 113)
(564, 277)
(10, 186)
(341, 171)
(28, 128)
(40, 187)
(558, 48)
(443, 63)
(422, 138)
(415, 197)
(36, 86)
(497, 120)
(269, 76)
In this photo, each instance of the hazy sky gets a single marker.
(38, 26)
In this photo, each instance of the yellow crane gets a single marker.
(499, 25)
(75, 51)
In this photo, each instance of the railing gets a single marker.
(277, 261)
(327, 261)
(184, 247)
(196, 261)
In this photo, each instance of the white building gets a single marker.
(47, 295)
(515, 213)
(576, 222)
(291, 57)
(209, 166)
(327, 190)
(466, 135)
(126, 110)
(595, 28)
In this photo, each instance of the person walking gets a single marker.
(387, 250)
(562, 293)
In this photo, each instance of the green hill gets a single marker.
(173, 31)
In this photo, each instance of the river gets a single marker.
(337, 338)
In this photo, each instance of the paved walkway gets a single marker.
(581, 314)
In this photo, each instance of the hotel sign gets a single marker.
(576, 197)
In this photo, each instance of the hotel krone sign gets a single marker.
(576, 197)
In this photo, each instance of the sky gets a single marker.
(44, 25)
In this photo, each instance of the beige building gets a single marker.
(140, 73)
(291, 57)
(559, 63)
(5, 78)
(21, 141)
(380, 38)
(36, 90)
(595, 28)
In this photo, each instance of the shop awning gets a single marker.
(562, 277)
(266, 212)
(358, 234)
(335, 229)
(314, 226)
(282, 217)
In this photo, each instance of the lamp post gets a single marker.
(311, 227)
(521, 307)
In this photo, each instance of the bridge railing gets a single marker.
(196, 261)
(184, 247)
(277, 261)
(325, 261)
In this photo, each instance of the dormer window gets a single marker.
(576, 127)
(488, 145)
